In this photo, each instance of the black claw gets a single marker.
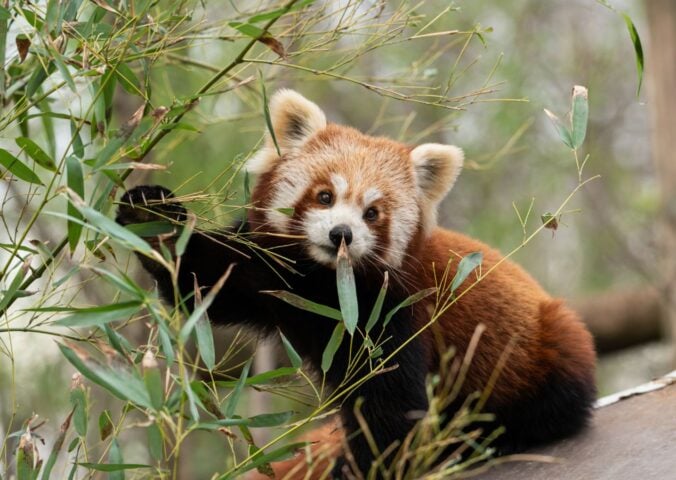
(154, 199)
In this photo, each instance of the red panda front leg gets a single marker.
(392, 401)
(206, 258)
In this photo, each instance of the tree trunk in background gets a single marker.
(661, 65)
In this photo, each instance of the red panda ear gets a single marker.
(436, 168)
(294, 120)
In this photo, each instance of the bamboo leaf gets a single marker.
(152, 377)
(294, 358)
(34, 151)
(118, 382)
(105, 424)
(75, 181)
(56, 449)
(261, 378)
(99, 316)
(378, 306)
(465, 267)
(155, 441)
(303, 304)
(282, 453)
(186, 233)
(78, 399)
(237, 391)
(638, 50)
(113, 467)
(347, 289)
(268, 119)
(332, 346)
(579, 115)
(415, 298)
(205, 338)
(109, 227)
(201, 309)
(18, 168)
(561, 129)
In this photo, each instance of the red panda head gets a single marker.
(375, 193)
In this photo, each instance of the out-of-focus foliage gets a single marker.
(101, 95)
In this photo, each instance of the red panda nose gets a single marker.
(339, 232)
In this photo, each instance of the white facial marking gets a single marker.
(286, 193)
(340, 184)
(405, 221)
(371, 195)
(318, 223)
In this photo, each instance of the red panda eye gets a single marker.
(325, 197)
(371, 214)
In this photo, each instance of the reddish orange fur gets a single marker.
(543, 334)
(511, 304)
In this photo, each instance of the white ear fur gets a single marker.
(436, 168)
(294, 120)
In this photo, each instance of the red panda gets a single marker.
(381, 197)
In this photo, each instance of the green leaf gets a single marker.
(56, 449)
(17, 168)
(151, 229)
(119, 382)
(347, 290)
(307, 305)
(78, 146)
(117, 341)
(27, 462)
(283, 453)
(63, 69)
(332, 347)
(34, 151)
(116, 231)
(99, 316)
(75, 181)
(378, 306)
(261, 378)
(115, 458)
(107, 152)
(128, 79)
(237, 391)
(201, 309)
(205, 341)
(152, 377)
(155, 441)
(184, 237)
(562, 130)
(39, 75)
(11, 293)
(465, 267)
(415, 298)
(33, 19)
(122, 282)
(638, 50)
(294, 358)
(105, 424)
(113, 467)
(579, 114)
(78, 399)
(248, 29)
(258, 421)
(268, 119)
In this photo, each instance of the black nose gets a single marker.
(339, 232)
